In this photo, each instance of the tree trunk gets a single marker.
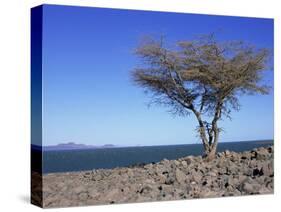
(210, 152)
(202, 129)
(210, 146)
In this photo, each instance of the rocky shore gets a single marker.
(230, 174)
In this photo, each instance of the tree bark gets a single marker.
(202, 129)
(210, 145)
(210, 153)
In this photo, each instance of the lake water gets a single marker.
(78, 160)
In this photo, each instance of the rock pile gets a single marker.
(230, 174)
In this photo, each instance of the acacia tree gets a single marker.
(203, 77)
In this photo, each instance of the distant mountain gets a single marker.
(71, 146)
(108, 145)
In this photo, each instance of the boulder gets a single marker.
(148, 166)
(170, 180)
(242, 178)
(235, 157)
(212, 173)
(208, 194)
(196, 176)
(180, 176)
(93, 193)
(161, 178)
(97, 177)
(79, 189)
(248, 188)
(220, 154)
(189, 160)
(227, 153)
(262, 154)
(113, 195)
(184, 164)
(251, 188)
(83, 196)
(270, 149)
(253, 163)
(267, 169)
(231, 181)
(177, 163)
(146, 189)
(246, 171)
(245, 155)
(265, 190)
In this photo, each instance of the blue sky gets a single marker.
(88, 96)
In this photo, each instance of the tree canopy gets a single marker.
(202, 76)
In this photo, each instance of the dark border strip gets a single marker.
(36, 104)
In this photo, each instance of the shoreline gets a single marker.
(230, 174)
(59, 161)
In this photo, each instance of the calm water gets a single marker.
(77, 160)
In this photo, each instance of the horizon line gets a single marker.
(140, 145)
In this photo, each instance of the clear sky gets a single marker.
(88, 96)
